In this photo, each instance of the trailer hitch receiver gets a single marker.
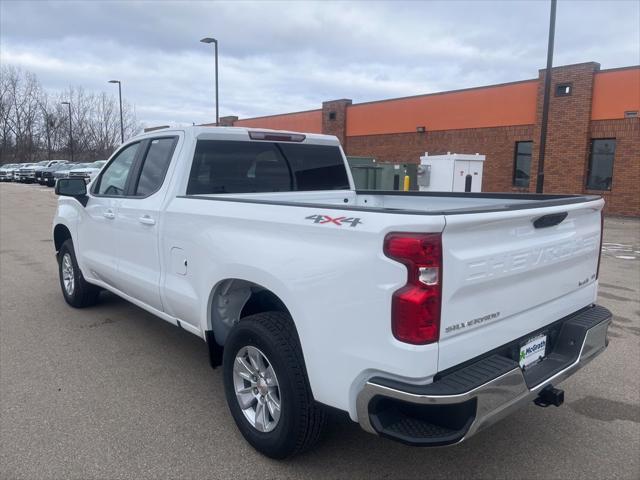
(550, 396)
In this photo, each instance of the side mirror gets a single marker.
(72, 187)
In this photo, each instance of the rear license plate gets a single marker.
(532, 350)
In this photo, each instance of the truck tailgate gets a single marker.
(504, 277)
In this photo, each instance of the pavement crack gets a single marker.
(99, 323)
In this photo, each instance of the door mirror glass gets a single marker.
(71, 187)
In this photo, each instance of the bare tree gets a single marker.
(6, 109)
(35, 125)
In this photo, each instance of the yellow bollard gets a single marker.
(407, 183)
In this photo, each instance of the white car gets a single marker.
(26, 172)
(6, 171)
(88, 171)
(42, 166)
(426, 316)
(30, 172)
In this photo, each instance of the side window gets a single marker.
(238, 167)
(522, 164)
(316, 167)
(114, 178)
(253, 167)
(155, 165)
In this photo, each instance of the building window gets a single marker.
(601, 163)
(563, 89)
(631, 114)
(332, 115)
(522, 164)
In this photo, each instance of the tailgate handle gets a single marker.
(550, 220)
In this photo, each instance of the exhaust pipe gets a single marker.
(550, 395)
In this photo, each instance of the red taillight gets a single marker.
(415, 308)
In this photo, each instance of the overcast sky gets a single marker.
(277, 57)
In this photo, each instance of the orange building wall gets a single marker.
(310, 122)
(615, 92)
(495, 106)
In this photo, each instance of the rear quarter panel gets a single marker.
(335, 281)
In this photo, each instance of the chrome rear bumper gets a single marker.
(483, 392)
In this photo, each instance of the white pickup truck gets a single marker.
(425, 316)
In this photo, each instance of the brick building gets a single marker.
(593, 138)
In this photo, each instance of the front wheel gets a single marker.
(267, 388)
(76, 290)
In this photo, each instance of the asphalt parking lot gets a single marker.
(113, 392)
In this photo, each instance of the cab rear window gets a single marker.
(221, 166)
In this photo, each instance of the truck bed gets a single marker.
(426, 203)
(512, 262)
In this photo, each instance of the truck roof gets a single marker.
(237, 133)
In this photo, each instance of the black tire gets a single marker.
(301, 418)
(82, 293)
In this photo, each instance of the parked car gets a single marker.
(26, 173)
(88, 171)
(64, 172)
(13, 171)
(47, 177)
(427, 316)
(44, 165)
(77, 171)
(29, 172)
(16, 171)
(6, 172)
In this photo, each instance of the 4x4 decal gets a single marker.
(326, 219)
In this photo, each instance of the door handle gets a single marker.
(109, 214)
(147, 220)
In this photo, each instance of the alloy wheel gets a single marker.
(257, 389)
(68, 278)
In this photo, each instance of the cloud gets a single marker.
(286, 56)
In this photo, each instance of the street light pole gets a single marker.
(545, 99)
(68, 104)
(215, 43)
(120, 96)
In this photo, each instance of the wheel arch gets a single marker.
(231, 300)
(61, 234)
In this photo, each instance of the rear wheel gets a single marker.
(257, 389)
(76, 290)
(267, 388)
